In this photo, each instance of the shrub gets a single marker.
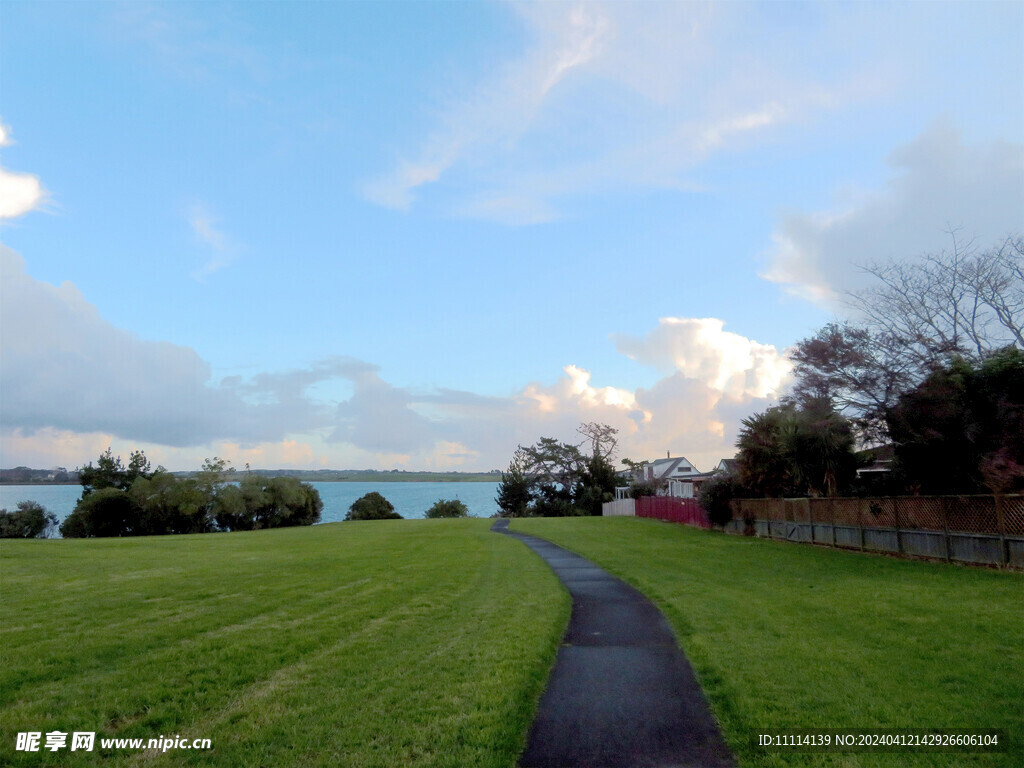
(449, 508)
(291, 503)
(29, 521)
(640, 489)
(372, 506)
(715, 496)
(105, 512)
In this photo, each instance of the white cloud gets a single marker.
(938, 183)
(67, 368)
(73, 384)
(19, 192)
(700, 349)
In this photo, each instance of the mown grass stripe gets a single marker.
(360, 644)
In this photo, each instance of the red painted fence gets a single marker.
(675, 510)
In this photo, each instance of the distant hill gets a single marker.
(26, 476)
(61, 476)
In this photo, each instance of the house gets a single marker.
(677, 478)
(726, 466)
(879, 460)
(670, 477)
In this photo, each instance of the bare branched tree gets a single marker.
(915, 318)
(961, 301)
(602, 439)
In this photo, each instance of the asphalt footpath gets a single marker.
(621, 694)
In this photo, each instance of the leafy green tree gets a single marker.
(138, 466)
(556, 471)
(289, 503)
(555, 479)
(156, 499)
(962, 429)
(762, 462)
(29, 520)
(598, 481)
(819, 447)
(447, 508)
(514, 491)
(716, 496)
(110, 472)
(372, 506)
(104, 512)
(796, 451)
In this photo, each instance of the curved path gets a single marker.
(621, 694)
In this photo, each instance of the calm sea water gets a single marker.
(411, 500)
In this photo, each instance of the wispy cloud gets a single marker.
(221, 252)
(496, 116)
(187, 44)
(607, 95)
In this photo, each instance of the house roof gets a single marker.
(665, 467)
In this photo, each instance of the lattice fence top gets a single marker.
(965, 514)
(1013, 515)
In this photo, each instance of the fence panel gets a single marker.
(676, 510)
(973, 514)
(925, 512)
(1013, 515)
(984, 530)
(618, 508)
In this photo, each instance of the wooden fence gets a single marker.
(980, 530)
(669, 508)
(983, 530)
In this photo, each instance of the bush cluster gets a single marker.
(372, 506)
(133, 501)
(447, 508)
(29, 521)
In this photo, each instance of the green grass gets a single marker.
(421, 643)
(787, 636)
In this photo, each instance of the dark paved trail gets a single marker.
(621, 694)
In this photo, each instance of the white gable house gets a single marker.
(671, 477)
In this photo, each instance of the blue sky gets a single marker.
(417, 234)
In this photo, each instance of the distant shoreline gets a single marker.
(317, 476)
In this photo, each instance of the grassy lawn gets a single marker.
(390, 643)
(787, 636)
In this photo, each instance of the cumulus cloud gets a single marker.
(938, 183)
(73, 383)
(700, 349)
(67, 368)
(19, 192)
